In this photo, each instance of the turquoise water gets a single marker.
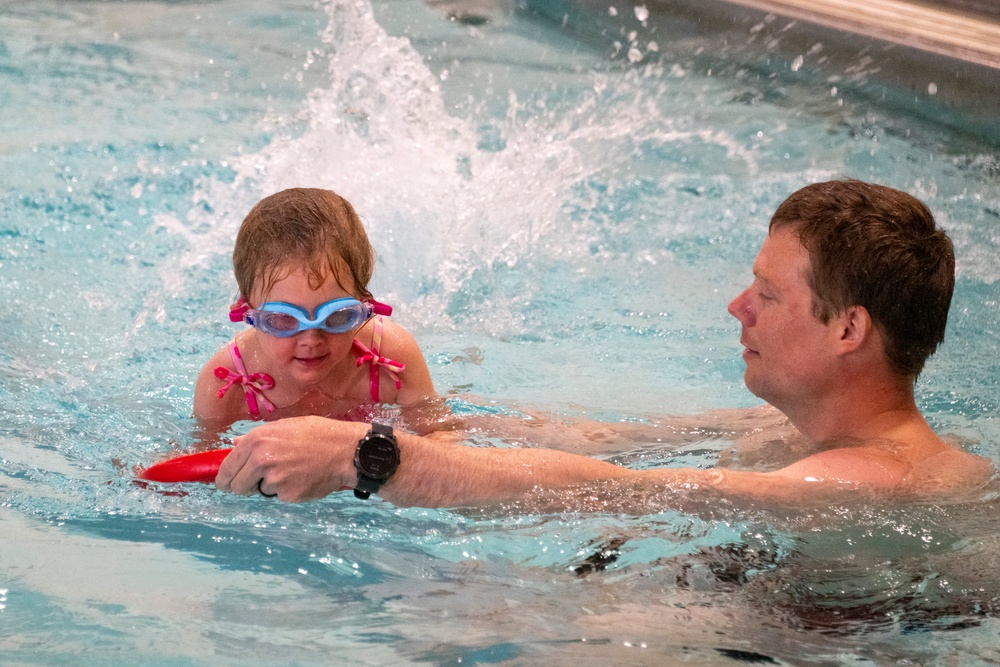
(558, 226)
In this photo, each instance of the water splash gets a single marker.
(447, 199)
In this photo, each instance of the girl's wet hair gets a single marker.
(315, 227)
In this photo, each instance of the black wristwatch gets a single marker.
(376, 458)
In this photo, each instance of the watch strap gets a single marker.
(366, 487)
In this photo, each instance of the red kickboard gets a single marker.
(199, 467)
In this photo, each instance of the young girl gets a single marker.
(318, 343)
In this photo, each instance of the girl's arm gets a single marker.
(417, 384)
(214, 414)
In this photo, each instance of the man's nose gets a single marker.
(741, 309)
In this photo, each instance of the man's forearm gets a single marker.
(435, 474)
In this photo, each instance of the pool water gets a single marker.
(561, 218)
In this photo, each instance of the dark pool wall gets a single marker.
(988, 9)
(721, 36)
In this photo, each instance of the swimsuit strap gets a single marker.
(372, 356)
(253, 385)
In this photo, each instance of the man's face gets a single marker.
(788, 351)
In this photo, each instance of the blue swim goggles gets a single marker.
(277, 318)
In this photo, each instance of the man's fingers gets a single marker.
(233, 467)
(260, 489)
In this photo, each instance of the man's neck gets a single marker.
(864, 412)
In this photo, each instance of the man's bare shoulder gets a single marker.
(921, 467)
(951, 468)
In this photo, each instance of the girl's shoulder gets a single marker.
(395, 341)
(399, 345)
(212, 378)
(394, 329)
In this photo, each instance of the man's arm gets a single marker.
(305, 458)
(536, 428)
(310, 457)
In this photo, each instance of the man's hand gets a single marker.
(300, 458)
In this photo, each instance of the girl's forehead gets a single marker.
(304, 278)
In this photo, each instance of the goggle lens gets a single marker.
(344, 319)
(280, 319)
(268, 322)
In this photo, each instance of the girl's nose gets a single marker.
(741, 309)
(310, 336)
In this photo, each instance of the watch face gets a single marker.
(377, 457)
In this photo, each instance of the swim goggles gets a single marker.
(277, 318)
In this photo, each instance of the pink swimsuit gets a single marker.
(255, 385)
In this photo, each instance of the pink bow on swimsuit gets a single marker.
(253, 385)
(372, 356)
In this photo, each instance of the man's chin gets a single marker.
(756, 387)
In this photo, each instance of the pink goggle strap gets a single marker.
(380, 308)
(238, 310)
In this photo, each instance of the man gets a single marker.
(850, 296)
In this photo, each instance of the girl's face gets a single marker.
(308, 357)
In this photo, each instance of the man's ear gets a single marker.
(855, 328)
